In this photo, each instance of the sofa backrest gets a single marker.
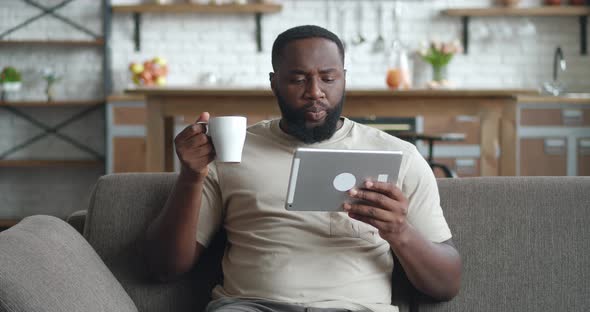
(121, 208)
(525, 244)
(524, 241)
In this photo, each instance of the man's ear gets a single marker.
(271, 77)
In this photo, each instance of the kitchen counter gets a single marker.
(184, 91)
(495, 108)
(576, 99)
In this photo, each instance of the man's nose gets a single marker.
(313, 90)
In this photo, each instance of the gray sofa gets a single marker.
(525, 244)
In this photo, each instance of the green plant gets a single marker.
(10, 74)
(439, 54)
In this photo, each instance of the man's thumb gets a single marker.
(203, 117)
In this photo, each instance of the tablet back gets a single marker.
(320, 178)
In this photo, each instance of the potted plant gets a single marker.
(51, 77)
(10, 79)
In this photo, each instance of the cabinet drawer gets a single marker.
(464, 167)
(584, 157)
(466, 125)
(129, 115)
(555, 117)
(543, 157)
(129, 154)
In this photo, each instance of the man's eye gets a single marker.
(298, 80)
(328, 79)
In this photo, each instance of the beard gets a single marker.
(296, 126)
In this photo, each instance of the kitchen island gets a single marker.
(496, 109)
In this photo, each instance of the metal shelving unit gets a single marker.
(100, 41)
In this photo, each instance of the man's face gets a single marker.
(309, 86)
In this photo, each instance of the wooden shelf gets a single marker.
(52, 103)
(97, 42)
(531, 11)
(182, 8)
(198, 8)
(581, 12)
(14, 163)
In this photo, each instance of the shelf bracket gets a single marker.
(465, 22)
(137, 30)
(584, 35)
(258, 18)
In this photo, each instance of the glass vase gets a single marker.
(439, 73)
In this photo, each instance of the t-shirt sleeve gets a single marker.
(211, 213)
(424, 211)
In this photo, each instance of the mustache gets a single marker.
(315, 107)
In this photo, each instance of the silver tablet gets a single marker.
(320, 178)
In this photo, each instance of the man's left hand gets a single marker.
(384, 206)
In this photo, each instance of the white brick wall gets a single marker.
(196, 44)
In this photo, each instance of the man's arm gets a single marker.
(171, 239)
(433, 268)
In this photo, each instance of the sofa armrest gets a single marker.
(48, 266)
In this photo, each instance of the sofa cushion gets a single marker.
(46, 265)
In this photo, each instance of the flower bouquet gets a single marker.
(439, 54)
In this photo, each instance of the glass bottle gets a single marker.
(398, 68)
(398, 75)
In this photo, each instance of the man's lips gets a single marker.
(314, 116)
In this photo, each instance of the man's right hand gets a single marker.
(194, 149)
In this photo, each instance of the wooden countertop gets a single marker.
(125, 98)
(193, 91)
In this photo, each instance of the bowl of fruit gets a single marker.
(152, 72)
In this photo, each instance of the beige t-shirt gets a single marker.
(318, 259)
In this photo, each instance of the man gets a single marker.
(279, 260)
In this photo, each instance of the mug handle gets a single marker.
(205, 124)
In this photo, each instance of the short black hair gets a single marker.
(302, 32)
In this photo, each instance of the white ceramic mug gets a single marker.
(228, 134)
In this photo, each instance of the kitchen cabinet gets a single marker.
(543, 157)
(495, 109)
(584, 156)
(553, 133)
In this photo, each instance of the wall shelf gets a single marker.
(57, 163)
(183, 8)
(97, 42)
(52, 103)
(581, 12)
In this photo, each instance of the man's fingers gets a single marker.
(371, 195)
(188, 132)
(376, 223)
(385, 188)
(200, 151)
(368, 212)
(196, 141)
